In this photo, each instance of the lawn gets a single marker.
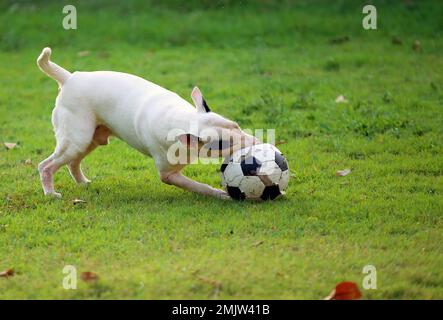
(266, 65)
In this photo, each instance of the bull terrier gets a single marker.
(91, 106)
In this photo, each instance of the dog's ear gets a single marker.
(189, 140)
(199, 101)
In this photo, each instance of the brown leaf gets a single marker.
(280, 142)
(416, 46)
(89, 276)
(256, 244)
(280, 274)
(10, 145)
(7, 273)
(345, 291)
(342, 173)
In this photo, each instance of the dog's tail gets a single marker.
(51, 69)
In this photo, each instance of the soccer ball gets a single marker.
(257, 172)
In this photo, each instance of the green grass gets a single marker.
(266, 66)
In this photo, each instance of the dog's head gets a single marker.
(216, 136)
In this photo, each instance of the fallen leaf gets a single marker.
(342, 173)
(341, 99)
(256, 244)
(345, 291)
(89, 276)
(28, 161)
(416, 46)
(83, 53)
(10, 145)
(7, 273)
(78, 201)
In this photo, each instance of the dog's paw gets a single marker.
(54, 195)
(85, 182)
(226, 197)
(221, 194)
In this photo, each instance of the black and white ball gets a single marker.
(257, 172)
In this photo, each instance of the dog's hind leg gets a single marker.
(74, 134)
(100, 138)
(75, 168)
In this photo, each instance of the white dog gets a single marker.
(91, 106)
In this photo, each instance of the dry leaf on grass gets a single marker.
(342, 173)
(345, 291)
(416, 46)
(78, 201)
(279, 142)
(256, 244)
(341, 99)
(10, 145)
(28, 161)
(89, 276)
(7, 273)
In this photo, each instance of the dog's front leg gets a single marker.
(177, 179)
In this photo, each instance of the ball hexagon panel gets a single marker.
(263, 152)
(252, 186)
(233, 174)
(269, 173)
